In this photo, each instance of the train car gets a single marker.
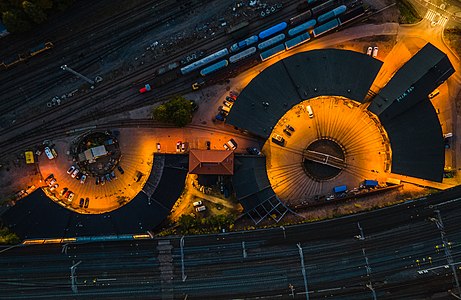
(242, 55)
(332, 14)
(272, 52)
(242, 44)
(10, 61)
(214, 67)
(272, 41)
(237, 27)
(351, 15)
(206, 60)
(301, 18)
(40, 48)
(312, 2)
(272, 30)
(326, 6)
(303, 27)
(330, 25)
(296, 41)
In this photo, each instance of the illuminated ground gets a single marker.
(351, 126)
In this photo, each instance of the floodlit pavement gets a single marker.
(138, 147)
(361, 136)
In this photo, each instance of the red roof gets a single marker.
(213, 162)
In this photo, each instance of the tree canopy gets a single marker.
(177, 111)
(20, 16)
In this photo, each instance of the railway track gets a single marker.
(129, 103)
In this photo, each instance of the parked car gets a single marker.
(120, 169)
(227, 103)
(81, 202)
(48, 153)
(82, 180)
(103, 181)
(230, 145)
(198, 203)
(230, 99)
(375, 51)
(64, 190)
(219, 117)
(79, 175)
(289, 127)
(70, 170)
(178, 146)
(87, 202)
(158, 147)
(97, 180)
(208, 145)
(183, 147)
(287, 132)
(112, 175)
(369, 50)
(74, 173)
(278, 139)
(200, 208)
(145, 88)
(54, 187)
(253, 151)
(52, 181)
(71, 197)
(108, 178)
(233, 94)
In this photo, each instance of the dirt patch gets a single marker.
(408, 14)
(453, 38)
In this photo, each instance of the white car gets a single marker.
(198, 203)
(76, 171)
(200, 208)
(369, 50)
(48, 153)
(375, 51)
(54, 187)
(82, 180)
(71, 169)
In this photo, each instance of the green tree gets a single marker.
(15, 21)
(7, 237)
(35, 13)
(187, 222)
(177, 111)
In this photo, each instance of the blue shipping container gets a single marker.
(340, 189)
(370, 183)
(303, 27)
(272, 52)
(297, 40)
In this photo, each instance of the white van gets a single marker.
(309, 111)
(48, 153)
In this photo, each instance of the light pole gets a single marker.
(66, 68)
(438, 222)
(303, 269)
(361, 237)
(184, 276)
(73, 278)
(284, 234)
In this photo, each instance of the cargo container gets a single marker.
(272, 52)
(302, 28)
(272, 41)
(214, 67)
(296, 41)
(273, 30)
(340, 189)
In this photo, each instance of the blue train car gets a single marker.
(242, 44)
(242, 55)
(273, 30)
(332, 14)
(272, 52)
(214, 67)
(272, 41)
(325, 27)
(303, 27)
(206, 60)
(296, 41)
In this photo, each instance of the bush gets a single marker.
(7, 237)
(177, 111)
